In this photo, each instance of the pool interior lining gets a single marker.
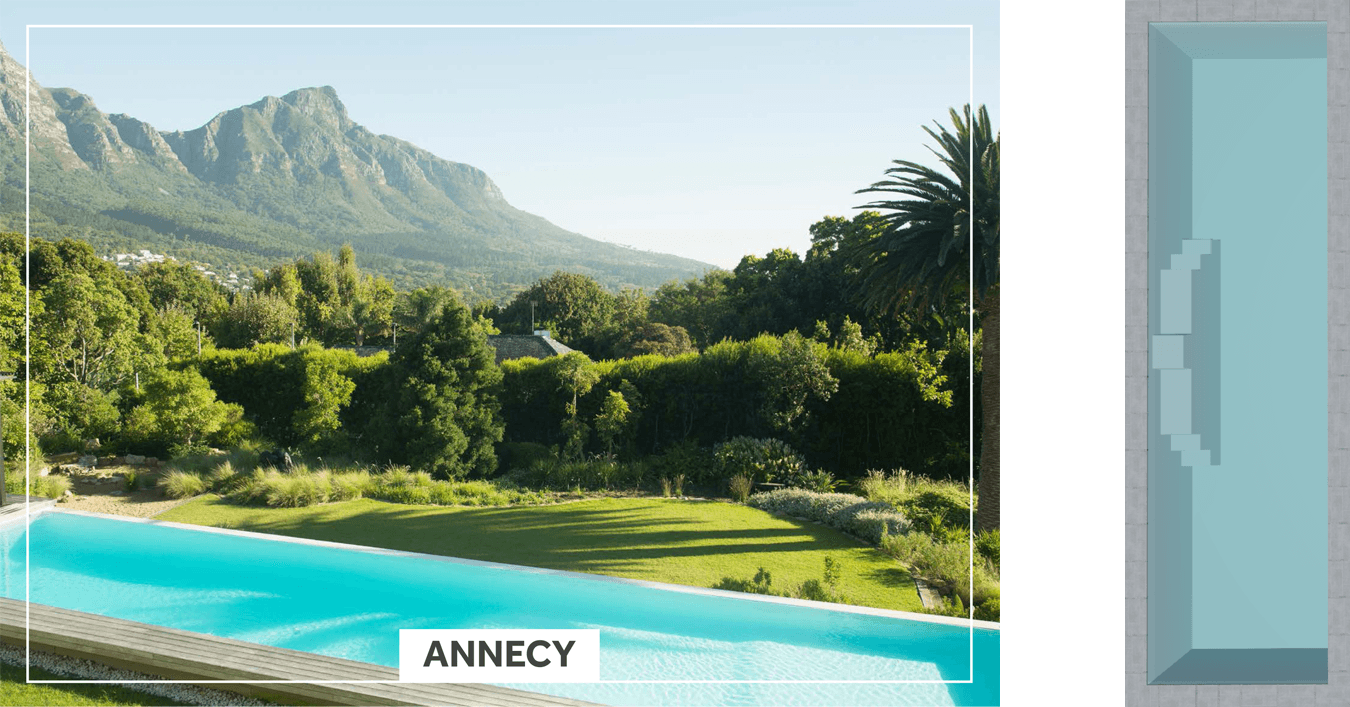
(1237, 666)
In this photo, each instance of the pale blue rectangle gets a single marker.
(1169, 352)
(1175, 296)
(1184, 443)
(1197, 246)
(1175, 410)
(1186, 261)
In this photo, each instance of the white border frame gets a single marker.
(971, 622)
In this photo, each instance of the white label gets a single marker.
(499, 655)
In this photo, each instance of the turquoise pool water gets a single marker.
(349, 603)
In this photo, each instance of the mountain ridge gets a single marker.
(281, 177)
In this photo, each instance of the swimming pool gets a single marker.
(349, 602)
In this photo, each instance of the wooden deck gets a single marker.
(184, 655)
(16, 506)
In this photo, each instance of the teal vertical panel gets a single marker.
(1169, 484)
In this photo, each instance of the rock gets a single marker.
(135, 459)
(87, 461)
(92, 445)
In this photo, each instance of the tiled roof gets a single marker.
(525, 346)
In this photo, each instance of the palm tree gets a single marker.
(927, 255)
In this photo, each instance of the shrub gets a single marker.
(868, 520)
(678, 482)
(182, 484)
(195, 449)
(987, 610)
(945, 564)
(816, 590)
(222, 478)
(235, 430)
(986, 544)
(349, 485)
(131, 482)
(596, 473)
(827, 587)
(665, 487)
(53, 486)
(696, 463)
(760, 459)
(740, 486)
(928, 503)
(818, 481)
(761, 584)
(297, 490)
(521, 455)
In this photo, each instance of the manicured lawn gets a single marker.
(683, 542)
(14, 691)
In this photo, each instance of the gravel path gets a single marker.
(104, 491)
(77, 669)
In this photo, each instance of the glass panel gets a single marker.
(1237, 477)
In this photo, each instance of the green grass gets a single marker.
(14, 691)
(695, 543)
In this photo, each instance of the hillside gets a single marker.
(280, 178)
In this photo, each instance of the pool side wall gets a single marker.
(1138, 14)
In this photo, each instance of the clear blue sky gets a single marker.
(707, 143)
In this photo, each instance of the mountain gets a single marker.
(281, 178)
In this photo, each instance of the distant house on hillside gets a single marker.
(536, 345)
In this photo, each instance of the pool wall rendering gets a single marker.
(1237, 352)
(660, 644)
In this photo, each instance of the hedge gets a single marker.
(869, 520)
(893, 410)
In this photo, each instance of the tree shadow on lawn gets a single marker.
(573, 537)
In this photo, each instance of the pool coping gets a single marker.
(686, 589)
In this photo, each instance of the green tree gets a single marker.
(571, 306)
(925, 256)
(372, 309)
(325, 391)
(84, 412)
(174, 332)
(180, 407)
(256, 318)
(86, 332)
(180, 286)
(799, 379)
(11, 317)
(700, 305)
(445, 416)
(655, 338)
(576, 374)
(612, 420)
(414, 310)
